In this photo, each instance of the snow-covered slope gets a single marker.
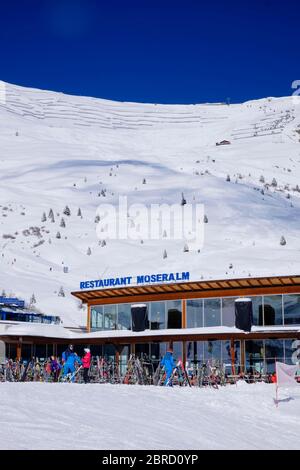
(233, 417)
(58, 150)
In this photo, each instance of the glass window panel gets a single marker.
(123, 359)
(142, 350)
(27, 351)
(212, 312)
(195, 352)
(254, 350)
(157, 351)
(194, 313)
(291, 309)
(124, 317)
(174, 309)
(110, 317)
(109, 352)
(274, 349)
(12, 351)
(157, 315)
(226, 354)
(228, 311)
(292, 351)
(213, 350)
(177, 350)
(273, 310)
(40, 351)
(257, 305)
(97, 317)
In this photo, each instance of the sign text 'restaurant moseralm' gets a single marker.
(130, 280)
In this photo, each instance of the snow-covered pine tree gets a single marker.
(79, 214)
(274, 182)
(67, 211)
(61, 292)
(51, 216)
(228, 178)
(62, 223)
(58, 235)
(282, 241)
(205, 219)
(44, 217)
(32, 300)
(165, 254)
(89, 251)
(262, 179)
(185, 248)
(144, 181)
(97, 219)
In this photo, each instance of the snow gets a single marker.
(59, 416)
(59, 332)
(59, 150)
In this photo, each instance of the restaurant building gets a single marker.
(196, 318)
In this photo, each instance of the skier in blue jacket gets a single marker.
(70, 358)
(168, 363)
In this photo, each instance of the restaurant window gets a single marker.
(109, 352)
(257, 305)
(124, 317)
(194, 313)
(274, 350)
(174, 313)
(142, 350)
(226, 355)
(291, 305)
(110, 317)
(254, 356)
(212, 312)
(195, 353)
(213, 350)
(292, 351)
(40, 351)
(273, 310)
(228, 311)
(157, 315)
(97, 317)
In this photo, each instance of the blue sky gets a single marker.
(168, 51)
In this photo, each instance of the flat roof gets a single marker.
(193, 289)
(58, 334)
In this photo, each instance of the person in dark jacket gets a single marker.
(86, 364)
(168, 363)
(55, 368)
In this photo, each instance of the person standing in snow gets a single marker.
(70, 358)
(86, 363)
(168, 363)
(55, 368)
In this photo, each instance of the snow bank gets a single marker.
(59, 416)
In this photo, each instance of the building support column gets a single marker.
(243, 362)
(88, 326)
(184, 353)
(232, 355)
(19, 349)
(183, 306)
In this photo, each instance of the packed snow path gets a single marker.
(72, 416)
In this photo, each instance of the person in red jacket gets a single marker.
(86, 364)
